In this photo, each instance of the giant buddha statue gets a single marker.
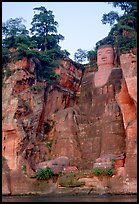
(96, 129)
(105, 110)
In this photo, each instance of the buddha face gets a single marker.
(105, 56)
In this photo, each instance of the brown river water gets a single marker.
(71, 198)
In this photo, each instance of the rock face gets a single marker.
(25, 111)
(62, 94)
(66, 140)
(56, 165)
(128, 103)
(88, 118)
(96, 120)
(22, 109)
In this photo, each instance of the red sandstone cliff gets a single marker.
(127, 100)
(25, 113)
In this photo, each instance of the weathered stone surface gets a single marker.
(5, 189)
(29, 185)
(56, 165)
(70, 168)
(93, 182)
(129, 67)
(65, 141)
(92, 118)
(6, 178)
(100, 116)
(63, 93)
(23, 108)
(21, 112)
(110, 161)
(127, 100)
(99, 121)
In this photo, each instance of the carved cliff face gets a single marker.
(105, 56)
(105, 62)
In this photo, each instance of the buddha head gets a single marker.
(105, 56)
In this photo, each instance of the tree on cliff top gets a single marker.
(44, 29)
(129, 18)
(123, 34)
(42, 44)
(80, 55)
(13, 29)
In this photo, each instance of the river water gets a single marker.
(70, 198)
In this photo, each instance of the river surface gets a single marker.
(70, 198)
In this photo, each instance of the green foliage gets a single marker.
(42, 46)
(53, 40)
(3, 158)
(104, 172)
(44, 29)
(65, 53)
(70, 180)
(113, 161)
(110, 18)
(11, 29)
(22, 48)
(97, 171)
(26, 105)
(27, 40)
(109, 172)
(127, 7)
(5, 56)
(123, 34)
(38, 87)
(14, 27)
(49, 145)
(44, 174)
(46, 68)
(24, 51)
(3, 83)
(8, 72)
(47, 62)
(92, 55)
(47, 127)
(24, 168)
(80, 55)
(127, 43)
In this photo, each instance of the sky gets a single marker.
(79, 22)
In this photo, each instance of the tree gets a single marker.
(128, 18)
(65, 53)
(80, 55)
(123, 34)
(110, 18)
(44, 29)
(44, 37)
(14, 27)
(5, 56)
(11, 29)
(92, 55)
(127, 7)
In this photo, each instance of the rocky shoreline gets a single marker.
(71, 183)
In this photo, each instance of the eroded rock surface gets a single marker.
(86, 118)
